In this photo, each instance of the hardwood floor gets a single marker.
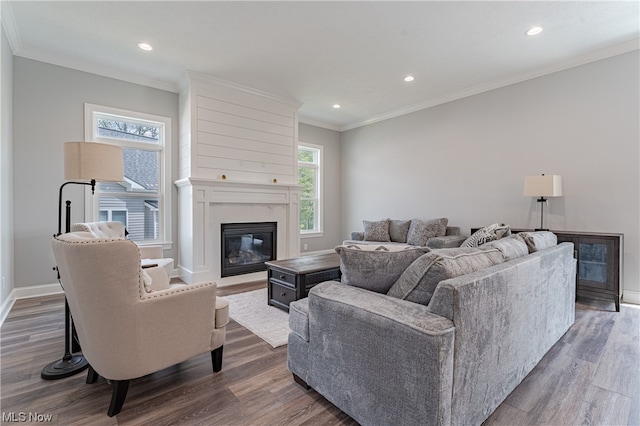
(591, 377)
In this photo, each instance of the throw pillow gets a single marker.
(418, 282)
(376, 231)
(486, 234)
(375, 267)
(398, 230)
(421, 230)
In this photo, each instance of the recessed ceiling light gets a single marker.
(409, 78)
(533, 31)
(336, 106)
(145, 46)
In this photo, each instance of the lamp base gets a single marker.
(65, 367)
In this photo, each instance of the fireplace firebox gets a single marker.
(246, 246)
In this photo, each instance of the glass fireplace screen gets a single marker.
(246, 246)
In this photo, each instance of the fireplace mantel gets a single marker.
(238, 163)
(207, 203)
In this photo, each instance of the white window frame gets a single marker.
(164, 149)
(318, 230)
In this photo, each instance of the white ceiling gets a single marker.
(321, 53)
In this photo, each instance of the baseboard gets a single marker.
(26, 293)
(631, 297)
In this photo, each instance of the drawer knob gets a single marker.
(283, 294)
(282, 277)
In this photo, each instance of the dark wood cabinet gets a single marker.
(599, 257)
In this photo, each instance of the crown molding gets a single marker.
(317, 123)
(619, 49)
(10, 27)
(92, 68)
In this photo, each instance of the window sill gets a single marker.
(311, 234)
(166, 245)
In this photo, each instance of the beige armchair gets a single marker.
(151, 255)
(126, 328)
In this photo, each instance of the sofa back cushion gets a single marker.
(538, 240)
(511, 247)
(418, 282)
(398, 230)
(375, 267)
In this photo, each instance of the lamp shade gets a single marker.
(91, 160)
(543, 186)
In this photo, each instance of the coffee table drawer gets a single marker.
(286, 277)
(281, 293)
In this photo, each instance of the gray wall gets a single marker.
(330, 141)
(48, 111)
(467, 159)
(6, 167)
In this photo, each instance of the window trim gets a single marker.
(164, 148)
(319, 228)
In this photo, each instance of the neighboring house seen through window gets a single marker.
(309, 176)
(141, 201)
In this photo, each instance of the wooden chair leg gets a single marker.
(120, 388)
(92, 376)
(216, 359)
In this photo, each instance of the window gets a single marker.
(309, 176)
(141, 202)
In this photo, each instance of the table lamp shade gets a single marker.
(91, 160)
(543, 186)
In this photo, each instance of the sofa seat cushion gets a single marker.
(375, 267)
(538, 240)
(299, 318)
(418, 282)
(421, 230)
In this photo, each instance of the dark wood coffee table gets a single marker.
(291, 279)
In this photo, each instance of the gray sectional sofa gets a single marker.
(481, 319)
(433, 233)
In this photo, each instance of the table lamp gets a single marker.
(542, 186)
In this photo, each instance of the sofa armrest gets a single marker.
(367, 349)
(357, 236)
(448, 241)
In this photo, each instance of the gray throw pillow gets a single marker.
(421, 230)
(375, 267)
(398, 230)
(418, 282)
(376, 231)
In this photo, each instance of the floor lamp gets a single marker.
(542, 186)
(85, 163)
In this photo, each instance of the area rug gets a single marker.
(251, 311)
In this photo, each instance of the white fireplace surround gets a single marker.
(205, 204)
